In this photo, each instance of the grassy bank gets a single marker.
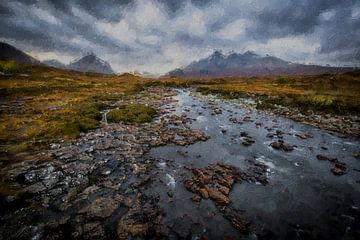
(40, 105)
(330, 93)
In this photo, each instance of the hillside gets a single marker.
(8, 52)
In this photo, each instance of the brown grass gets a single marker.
(50, 105)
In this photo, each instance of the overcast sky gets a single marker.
(160, 35)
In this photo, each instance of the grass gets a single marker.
(50, 105)
(132, 113)
(40, 105)
(330, 93)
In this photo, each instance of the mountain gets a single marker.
(8, 52)
(54, 63)
(91, 63)
(248, 64)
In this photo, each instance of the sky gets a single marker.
(157, 36)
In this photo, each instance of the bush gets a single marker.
(132, 113)
(283, 80)
(9, 66)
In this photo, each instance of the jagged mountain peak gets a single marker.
(91, 63)
(248, 63)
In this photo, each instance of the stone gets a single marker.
(337, 171)
(217, 110)
(101, 207)
(218, 197)
(196, 198)
(279, 145)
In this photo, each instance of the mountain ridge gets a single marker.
(248, 64)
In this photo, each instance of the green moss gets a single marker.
(132, 113)
(224, 93)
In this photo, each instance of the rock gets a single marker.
(196, 198)
(356, 155)
(337, 171)
(282, 146)
(247, 141)
(325, 158)
(204, 193)
(218, 197)
(101, 207)
(54, 146)
(287, 147)
(224, 190)
(237, 222)
(217, 110)
(217, 180)
(303, 136)
(170, 194)
(247, 119)
(244, 134)
(233, 120)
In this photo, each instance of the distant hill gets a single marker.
(249, 64)
(8, 52)
(54, 63)
(91, 63)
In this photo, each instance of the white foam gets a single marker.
(201, 119)
(162, 164)
(263, 160)
(171, 181)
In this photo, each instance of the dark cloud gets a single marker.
(158, 35)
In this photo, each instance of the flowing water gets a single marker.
(303, 199)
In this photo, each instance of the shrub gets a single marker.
(283, 80)
(132, 113)
(9, 66)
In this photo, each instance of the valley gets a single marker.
(243, 156)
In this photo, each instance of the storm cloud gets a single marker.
(160, 35)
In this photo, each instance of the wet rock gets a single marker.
(236, 220)
(190, 137)
(170, 194)
(339, 167)
(218, 197)
(303, 135)
(217, 180)
(217, 110)
(233, 120)
(247, 119)
(279, 145)
(141, 219)
(337, 171)
(244, 134)
(325, 158)
(196, 198)
(356, 155)
(247, 141)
